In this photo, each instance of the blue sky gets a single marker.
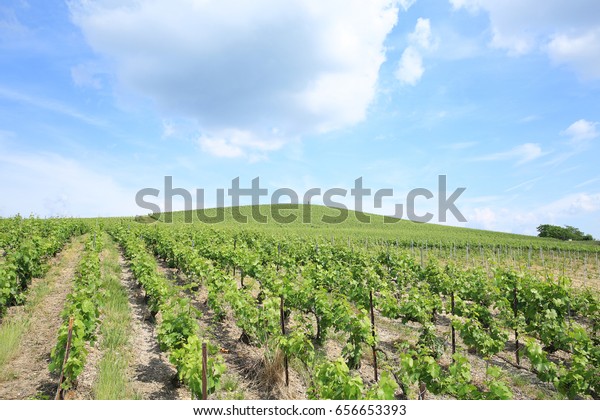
(101, 99)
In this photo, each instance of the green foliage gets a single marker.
(334, 381)
(82, 306)
(563, 233)
(188, 359)
(28, 244)
(326, 289)
(178, 331)
(418, 368)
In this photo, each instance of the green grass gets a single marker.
(112, 381)
(14, 327)
(312, 221)
(10, 339)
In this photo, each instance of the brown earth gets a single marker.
(151, 374)
(27, 375)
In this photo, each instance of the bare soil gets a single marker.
(258, 372)
(27, 375)
(153, 377)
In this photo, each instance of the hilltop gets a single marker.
(317, 220)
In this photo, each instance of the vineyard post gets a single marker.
(467, 254)
(585, 268)
(59, 395)
(278, 256)
(204, 368)
(373, 334)
(515, 311)
(452, 325)
(285, 357)
(422, 390)
(234, 247)
(570, 260)
(568, 308)
(412, 250)
(529, 257)
(421, 248)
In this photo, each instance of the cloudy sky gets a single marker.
(99, 99)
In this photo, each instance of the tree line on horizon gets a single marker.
(564, 233)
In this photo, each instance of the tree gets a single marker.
(563, 233)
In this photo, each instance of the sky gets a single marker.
(101, 99)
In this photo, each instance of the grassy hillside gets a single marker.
(314, 220)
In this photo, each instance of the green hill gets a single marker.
(315, 220)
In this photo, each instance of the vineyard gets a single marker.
(147, 309)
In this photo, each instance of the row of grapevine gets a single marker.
(332, 284)
(260, 318)
(178, 330)
(26, 245)
(80, 317)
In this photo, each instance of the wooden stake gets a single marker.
(285, 358)
(515, 311)
(59, 394)
(373, 334)
(452, 325)
(204, 369)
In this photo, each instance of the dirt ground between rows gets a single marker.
(151, 374)
(27, 375)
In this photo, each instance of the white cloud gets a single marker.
(579, 134)
(13, 33)
(48, 104)
(572, 204)
(569, 32)
(484, 218)
(233, 143)
(220, 147)
(460, 145)
(410, 68)
(169, 129)
(471, 5)
(48, 184)
(300, 66)
(421, 36)
(588, 182)
(578, 209)
(579, 50)
(581, 131)
(406, 4)
(525, 185)
(529, 118)
(522, 153)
